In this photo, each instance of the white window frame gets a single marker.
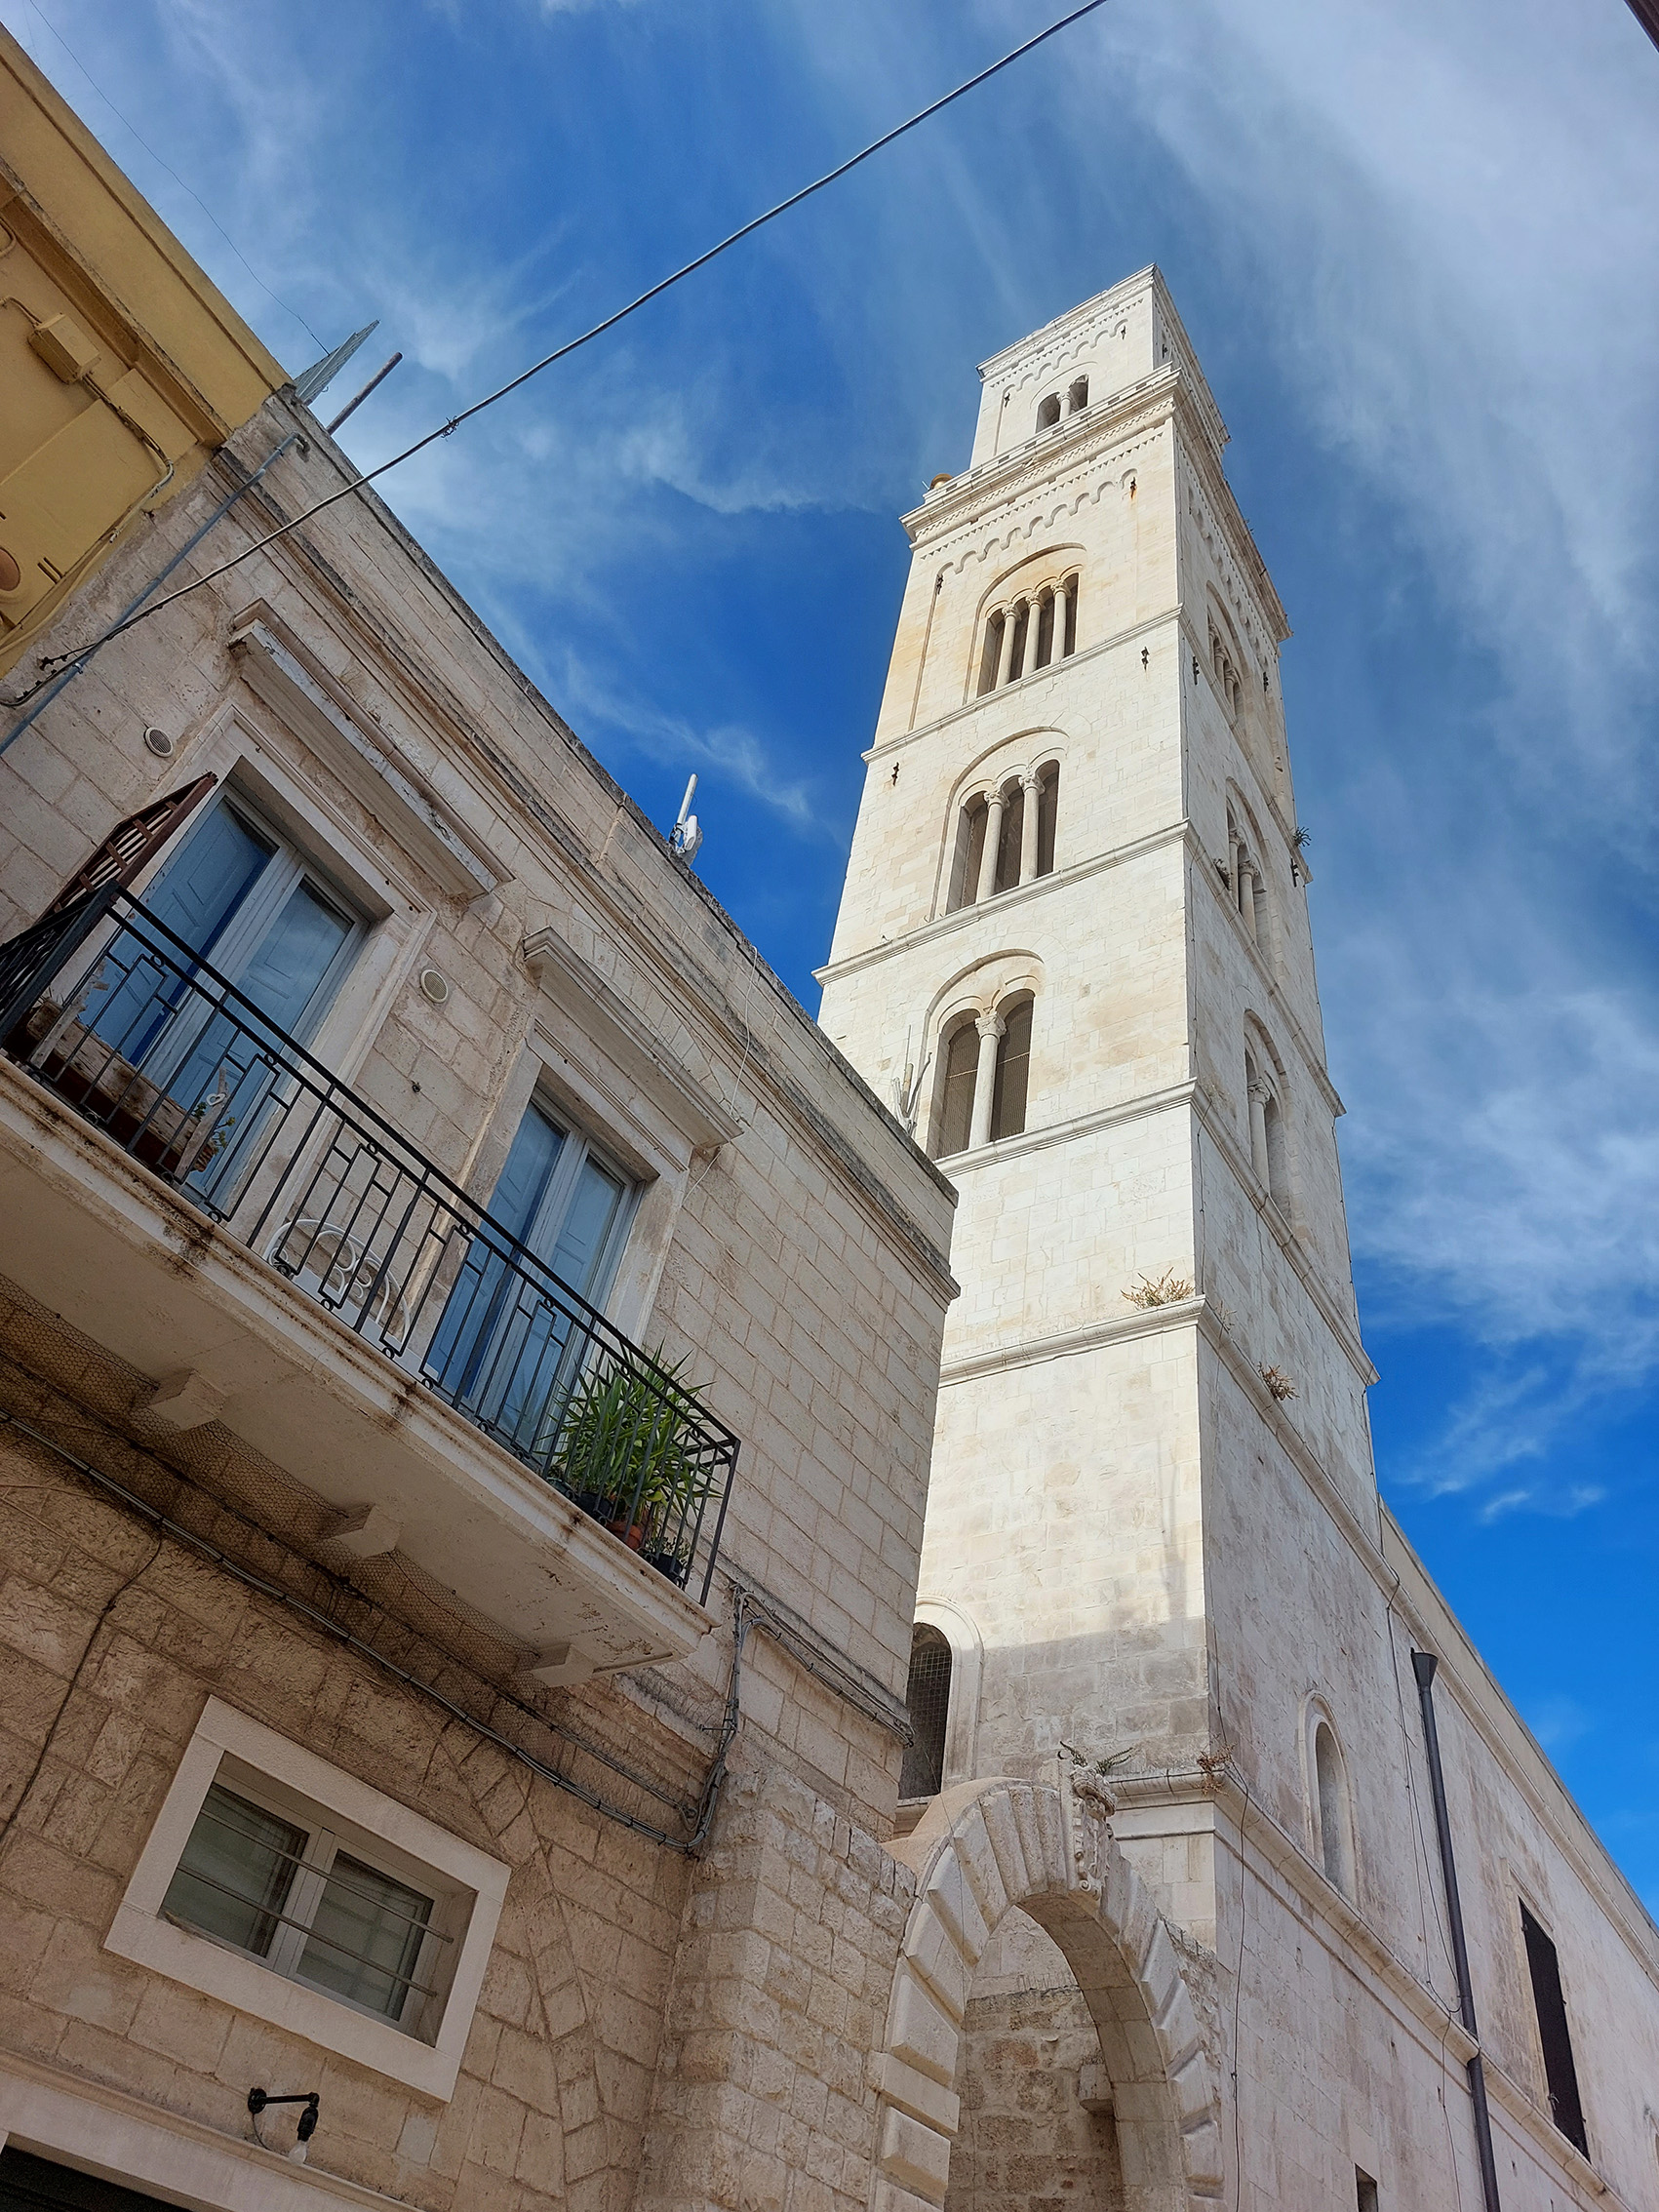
(468, 1888)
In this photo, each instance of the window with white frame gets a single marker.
(303, 1896)
(276, 1881)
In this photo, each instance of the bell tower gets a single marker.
(1073, 951)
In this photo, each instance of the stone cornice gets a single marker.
(1069, 448)
(1148, 627)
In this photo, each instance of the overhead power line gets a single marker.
(610, 323)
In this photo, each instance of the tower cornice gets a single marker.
(969, 502)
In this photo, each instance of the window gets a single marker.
(1036, 629)
(1010, 841)
(1560, 2076)
(505, 1353)
(1330, 1788)
(1364, 2191)
(1269, 1150)
(1047, 815)
(956, 1091)
(1013, 1069)
(279, 1885)
(990, 658)
(243, 900)
(1076, 399)
(927, 1699)
(1049, 411)
(286, 1892)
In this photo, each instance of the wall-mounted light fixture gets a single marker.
(259, 2099)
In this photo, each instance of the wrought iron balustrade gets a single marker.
(113, 1014)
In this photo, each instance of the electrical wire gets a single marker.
(620, 314)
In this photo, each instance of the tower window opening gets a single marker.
(1560, 2073)
(1330, 1781)
(1278, 1175)
(1076, 399)
(1071, 590)
(1364, 2191)
(1043, 615)
(1047, 815)
(969, 855)
(990, 658)
(956, 1091)
(1020, 658)
(928, 1701)
(1011, 838)
(1014, 1073)
(1049, 411)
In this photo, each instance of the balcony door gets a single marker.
(245, 903)
(508, 1348)
(201, 1071)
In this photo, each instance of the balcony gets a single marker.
(241, 1217)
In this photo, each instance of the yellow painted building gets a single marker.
(122, 366)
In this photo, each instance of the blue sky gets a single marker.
(1417, 249)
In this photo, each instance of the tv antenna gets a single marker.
(685, 837)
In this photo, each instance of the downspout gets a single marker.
(1423, 1666)
(155, 583)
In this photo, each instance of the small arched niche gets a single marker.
(1330, 1807)
(1049, 411)
(928, 1703)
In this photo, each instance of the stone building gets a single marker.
(470, 1361)
(468, 1356)
(1073, 952)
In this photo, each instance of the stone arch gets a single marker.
(985, 1849)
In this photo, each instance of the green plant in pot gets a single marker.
(633, 1458)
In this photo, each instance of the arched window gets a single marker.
(1013, 835)
(1036, 629)
(928, 1702)
(969, 856)
(1245, 876)
(1049, 411)
(1077, 397)
(1333, 1819)
(1048, 815)
(990, 659)
(1269, 1152)
(956, 1091)
(1013, 1072)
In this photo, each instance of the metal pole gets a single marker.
(1423, 1665)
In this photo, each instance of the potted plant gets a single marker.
(632, 1458)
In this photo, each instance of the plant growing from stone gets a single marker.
(1165, 1289)
(1278, 1384)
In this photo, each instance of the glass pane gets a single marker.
(471, 1359)
(283, 975)
(579, 1252)
(236, 1872)
(195, 895)
(366, 1937)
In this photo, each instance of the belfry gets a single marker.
(1073, 954)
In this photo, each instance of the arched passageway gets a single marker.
(990, 1848)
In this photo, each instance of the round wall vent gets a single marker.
(434, 986)
(159, 742)
(11, 575)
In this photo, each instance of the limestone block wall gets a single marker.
(790, 1241)
(1070, 1532)
(114, 1637)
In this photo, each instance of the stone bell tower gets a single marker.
(1073, 952)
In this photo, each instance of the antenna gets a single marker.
(685, 837)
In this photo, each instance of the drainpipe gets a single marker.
(155, 583)
(1423, 1666)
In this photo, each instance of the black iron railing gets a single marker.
(114, 1014)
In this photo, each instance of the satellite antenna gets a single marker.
(687, 835)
